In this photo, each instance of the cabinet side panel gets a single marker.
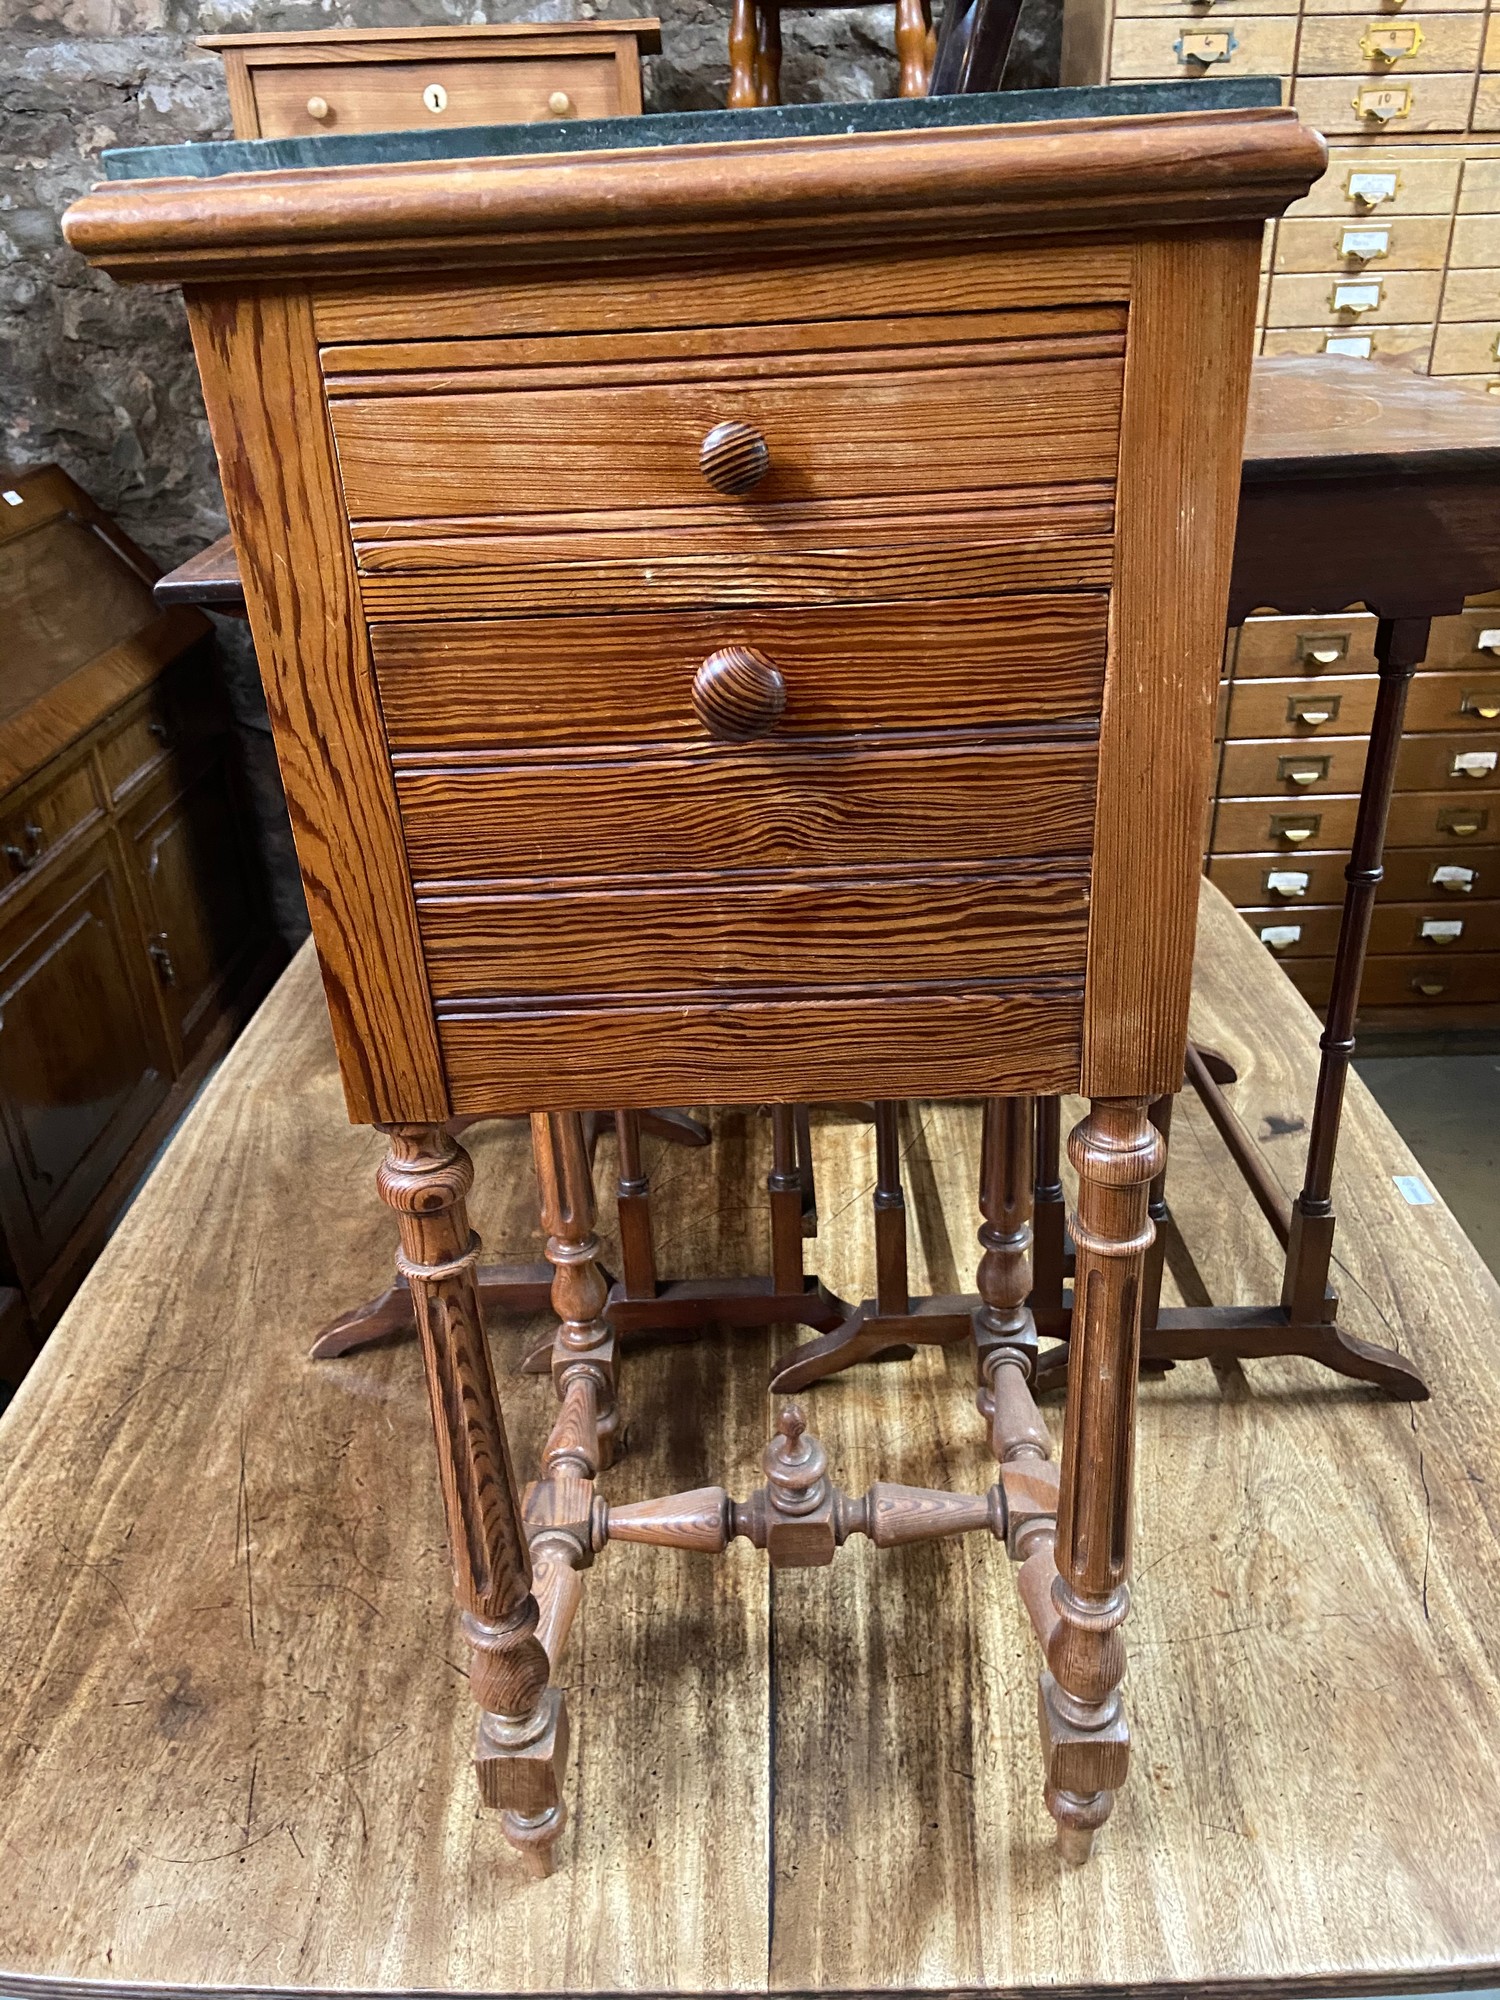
(1187, 381)
(257, 355)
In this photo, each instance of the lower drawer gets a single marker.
(1337, 764)
(1466, 979)
(767, 807)
(831, 1046)
(1304, 709)
(1288, 881)
(692, 938)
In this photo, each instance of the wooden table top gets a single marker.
(236, 1730)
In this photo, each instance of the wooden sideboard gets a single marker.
(391, 79)
(133, 927)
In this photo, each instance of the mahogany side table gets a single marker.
(740, 602)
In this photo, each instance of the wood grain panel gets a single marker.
(832, 1046)
(472, 580)
(694, 933)
(771, 806)
(1186, 390)
(346, 369)
(754, 289)
(280, 488)
(839, 436)
(522, 681)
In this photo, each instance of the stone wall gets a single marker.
(100, 377)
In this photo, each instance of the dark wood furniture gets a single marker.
(773, 427)
(392, 79)
(755, 47)
(133, 930)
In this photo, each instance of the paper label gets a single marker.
(1279, 936)
(1287, 882)
(1358, 346)
(1365, 243)
(1355, 298)
(1411, 1189)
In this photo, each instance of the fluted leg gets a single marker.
(523, 1724)
(1117, 1152)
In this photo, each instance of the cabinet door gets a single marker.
(201, 901)
(83, 1061)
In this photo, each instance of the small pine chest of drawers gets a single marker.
(1297, 701)
(284, 86)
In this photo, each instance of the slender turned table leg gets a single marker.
(633, 1199)
(744, 44)
(583, 1348)
(912, 23)
(1049, 1219)
(768, 53)
(1004, 1330)
(1400, 648)
(891, 1276)
(1118, 1153)
(784, 1185)
(523, 1724)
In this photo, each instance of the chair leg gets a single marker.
(1086, 1745)
(523, 1723)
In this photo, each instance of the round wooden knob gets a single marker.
(317, 107)
(734, 457)
(738, 694)
(560, 104)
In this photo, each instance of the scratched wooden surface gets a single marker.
(233, 1733)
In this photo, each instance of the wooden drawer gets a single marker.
(1227, 45)
(1312, 7)
(1354, 299)
(1418, 819)
(1412, 874)
(37, 819)
(1476, 245)
(1406, 346)
(1468, 639)
(433, 92)
(517, 682)
(1419, 929)
(1383, 106)
(174, 717)
(841, 421)
(1363, 246)
(1301, 710)
(1371, 182)
(1279, 648)
(1468, 347)
(1468, 701)
(961, 1042)
(1422, 980)
(677, 934)
(770, 806)
(1337, 764)
(1392, 45)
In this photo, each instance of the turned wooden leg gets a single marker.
(912, 22)
(523, 1725)
(1004, 1330)
(1117, 1152)
(583, 1348)
(744, 45)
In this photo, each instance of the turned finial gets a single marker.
(794, 1464)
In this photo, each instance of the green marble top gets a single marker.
(686, 128)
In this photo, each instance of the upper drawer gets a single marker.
(1333, 44)
(903, 413)
(1277, 648)
(511, 683)
(36, 821)
(392, 96)
(1230, 45)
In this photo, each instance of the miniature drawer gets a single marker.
(1479, 192)
(1491, 57)
(1376, 105)
(1367, 182)
(772, 806)
(37, 821)
(1373, 244)
(1201, 11)
(837, 419)
(1405, 346)
(1466, 347)
(1302, 710)
(1470, 295)
(395, 96)
(1453, 701)
(1469, 639)
(1280, 648)
(1337, 764)
(1418, 819)
(1486, 113)
(1476, 246)
(1223, 45)
(1412, 874)
(1457, 763)
(1388, 44)
(512, 683)
(1428, 979)
(1418, 929)
(1354, 300)
(1482, 385)
(753, 935)
(1405, 7)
